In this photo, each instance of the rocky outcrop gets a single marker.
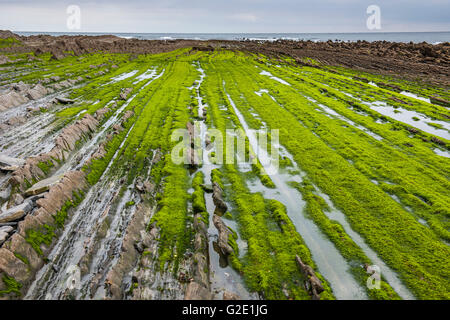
(18, 259)
(64, 143)
(9, 163)
(12, 99)
(224, 233)
(20, 93)
(199, 286)
(312, 283)
(221, 206)
(133, 244)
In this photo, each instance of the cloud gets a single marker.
(215, 16)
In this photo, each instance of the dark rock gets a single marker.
(217, 198)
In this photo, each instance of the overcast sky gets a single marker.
(175, 16)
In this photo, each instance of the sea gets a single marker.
(415, 37)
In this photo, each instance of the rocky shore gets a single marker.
(415, 61)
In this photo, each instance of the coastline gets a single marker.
(415, 61)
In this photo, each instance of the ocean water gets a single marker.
(416, 37)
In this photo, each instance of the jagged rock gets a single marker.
(17, 244)
(224, 233)
(127, 115)
(36, 92)
(313, 283)
(437, 141)
(21, 87)
(217, 198)
(15, 213)
(13, 266)
(43, 185)
(34, 109)
(100, 153)
(11, 99)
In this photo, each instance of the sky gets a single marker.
(225, 16)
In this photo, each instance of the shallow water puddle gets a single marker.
(267, 73)
(149, 74)
(412, 118)
(414, 96)
(124, 76)
(442, 153)
(409, 117)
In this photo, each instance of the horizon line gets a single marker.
(122, 32)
